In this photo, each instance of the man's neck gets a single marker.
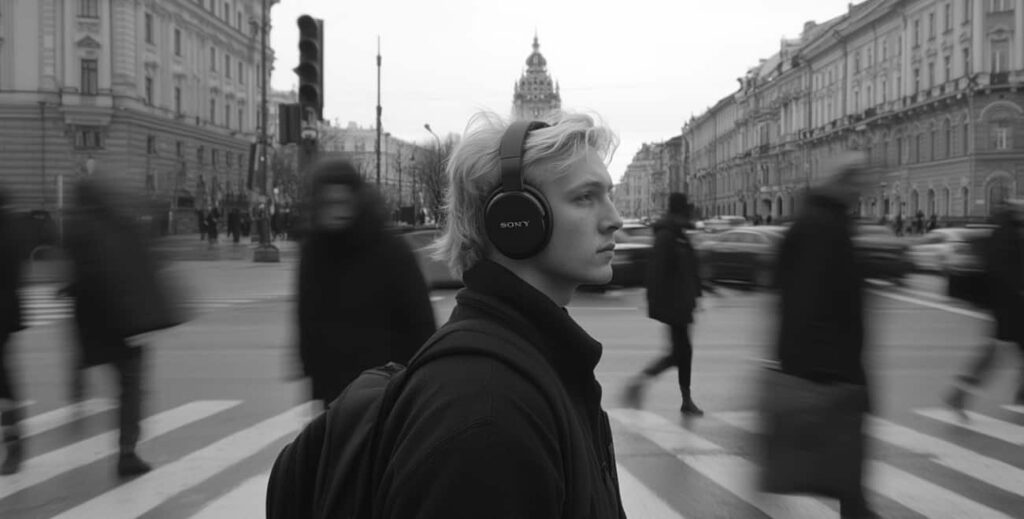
(560, 294)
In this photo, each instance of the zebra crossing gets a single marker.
(41, 304)
(203, 481)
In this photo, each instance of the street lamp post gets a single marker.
(266, 252)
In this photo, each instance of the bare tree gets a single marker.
(433, 180)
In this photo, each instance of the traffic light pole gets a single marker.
(266, 252)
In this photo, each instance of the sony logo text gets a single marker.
(515, 225)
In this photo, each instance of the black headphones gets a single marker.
(517, 217)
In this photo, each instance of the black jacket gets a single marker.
(821, 284)
(471, 437)
(362, 302)
(673, 282)
(10, 276)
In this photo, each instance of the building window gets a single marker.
(1000, 55)
(919, 145)
(227, 114)
(149, 90)
(89, 8)
(885, 48)
(213, 58)
(931, 25)
(949, 16)
(177, 100)
(947, 133)
(177, 42)
(899, 151)
(241, 112)
(179, 149)
(213, 111)
(149, 28)
(215, 158)
(931, 74)
(933, 143)
(947, 68)
(241, 73)
(1001, 135)
(967, 137)
(227, 12)
(151, 145)
(228, 159)
(238, 20)
(856, 100)
(201, 155)
(967, 10)
(917, 80)
(967, 61)
(917, 32)
(884, 90)
(869, 99)
(996, 6)
(856, 62)
(965, 202)
(90, 77)
(227, 66)
(88, 138)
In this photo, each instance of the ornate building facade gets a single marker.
(931, 89)
(536, 93)
(161, 96)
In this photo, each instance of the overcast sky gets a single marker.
(645, 66)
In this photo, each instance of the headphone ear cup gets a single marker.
(518, 223)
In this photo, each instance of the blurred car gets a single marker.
(721, 223)
(745, 254)
(635, 233)
(883, 254)
(435, 272)
(940, 249)
(965, 270)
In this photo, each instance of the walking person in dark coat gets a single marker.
(363, 301)
(1004, 273)
(212, 220)
(673, 288)
(234, 225)
(10, 322)
(117, 296)
(821, 331)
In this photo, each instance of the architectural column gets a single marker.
(907, 76)
(1017, 51)
(978, 38)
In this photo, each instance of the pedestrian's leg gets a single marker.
(682, 350)
(977, 373)
(1019, 398)
(10, 416)
(634, 393)
(129, 371)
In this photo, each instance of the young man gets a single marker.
(471, 436)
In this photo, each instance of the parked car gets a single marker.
(937, 250)
(883, 254)
(744, 254)
(435, 272)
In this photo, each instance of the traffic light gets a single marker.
(289, 123)
(311, 66)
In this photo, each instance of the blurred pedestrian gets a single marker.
(10, 322)
(897, 224)
(246, 224)
(1004, 280)
(234, 224)
(819, 394)
(505, 418)
(362, 299)
(673, 289)
(201, 223)
(117, 297)
(933, 222)
(212, 220)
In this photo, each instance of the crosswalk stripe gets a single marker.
(979, 423)
(637, 499)
(146, 492)
(991, 471)
(666, 434)
(911, 491)
(47, 466)
(246, 500)
(41, 423)
(730, 472)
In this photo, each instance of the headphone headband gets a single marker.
(511, 153)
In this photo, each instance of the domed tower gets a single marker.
(535, 93)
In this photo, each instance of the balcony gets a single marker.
(999, 78)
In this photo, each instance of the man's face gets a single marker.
(337, 207)
(585, 219)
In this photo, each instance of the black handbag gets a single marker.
(813, 440)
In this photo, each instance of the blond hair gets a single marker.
(474, 171)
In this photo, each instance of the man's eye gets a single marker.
(585, 197)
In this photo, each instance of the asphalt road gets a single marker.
(223, 399)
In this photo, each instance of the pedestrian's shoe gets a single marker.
(957, 401)
(130, 464)
(15, 454)
(633, 396)
(690, 409)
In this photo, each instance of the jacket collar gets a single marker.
(494, 290)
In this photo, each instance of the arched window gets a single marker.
(930, 208)
(947, 201)
(965, 202)
(914, 206)
(947, 132)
